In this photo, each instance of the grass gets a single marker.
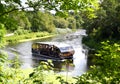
(27, 37)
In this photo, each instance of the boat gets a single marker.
(53, 50)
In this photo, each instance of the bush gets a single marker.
(107, 69)
(3, 57)
(42, 34)
(21, 31)
(15, 62)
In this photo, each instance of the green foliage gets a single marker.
(2, 33)
(41, 22)
(44, 74)
(16, 20)
(3, 57)
(107, 69)
(16, 63)
(79, 21)
(60, 22)
(47, 23)
(22, 20)
(11, 76)
(11, 24)
(106, 24)
(91, 42)
(108, 55)
(21, 31)
(61, 80)
(40, 74)
(72, 23)
(18, 38)
(7, 7)
(63, 6)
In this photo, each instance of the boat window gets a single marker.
(35, 46)
(65, 49)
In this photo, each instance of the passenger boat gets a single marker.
(52, 50)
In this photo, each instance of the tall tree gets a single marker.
(60, 22)
(107, 23)
(72, 23)
(41, 21)
(6, 7)
(22, 19)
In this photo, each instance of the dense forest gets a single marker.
(100, 18)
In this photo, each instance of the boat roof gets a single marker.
(57, 44)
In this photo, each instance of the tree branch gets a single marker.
(7, 12)
(2, 14)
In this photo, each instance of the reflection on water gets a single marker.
(58, 65)
(77, 67)
(79, 62)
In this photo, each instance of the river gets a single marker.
(76, 68)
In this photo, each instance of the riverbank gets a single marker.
(52, 35)
(28, 37)
(10, 39)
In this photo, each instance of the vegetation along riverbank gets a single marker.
(28, 36)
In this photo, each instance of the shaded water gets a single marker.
(77, 67)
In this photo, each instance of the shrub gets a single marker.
(21, 31)
(107, 70)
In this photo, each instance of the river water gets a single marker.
(75, 68)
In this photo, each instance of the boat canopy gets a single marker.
(62, 46)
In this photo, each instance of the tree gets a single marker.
(22, 19)
(62, 7)
(47, 22)
(41, 21)
(10, 13)
(79, 20)
(60, 22)
(106, 25)
(72, 23)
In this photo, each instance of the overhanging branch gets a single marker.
(2, 14)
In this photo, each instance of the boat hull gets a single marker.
(51, 57)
